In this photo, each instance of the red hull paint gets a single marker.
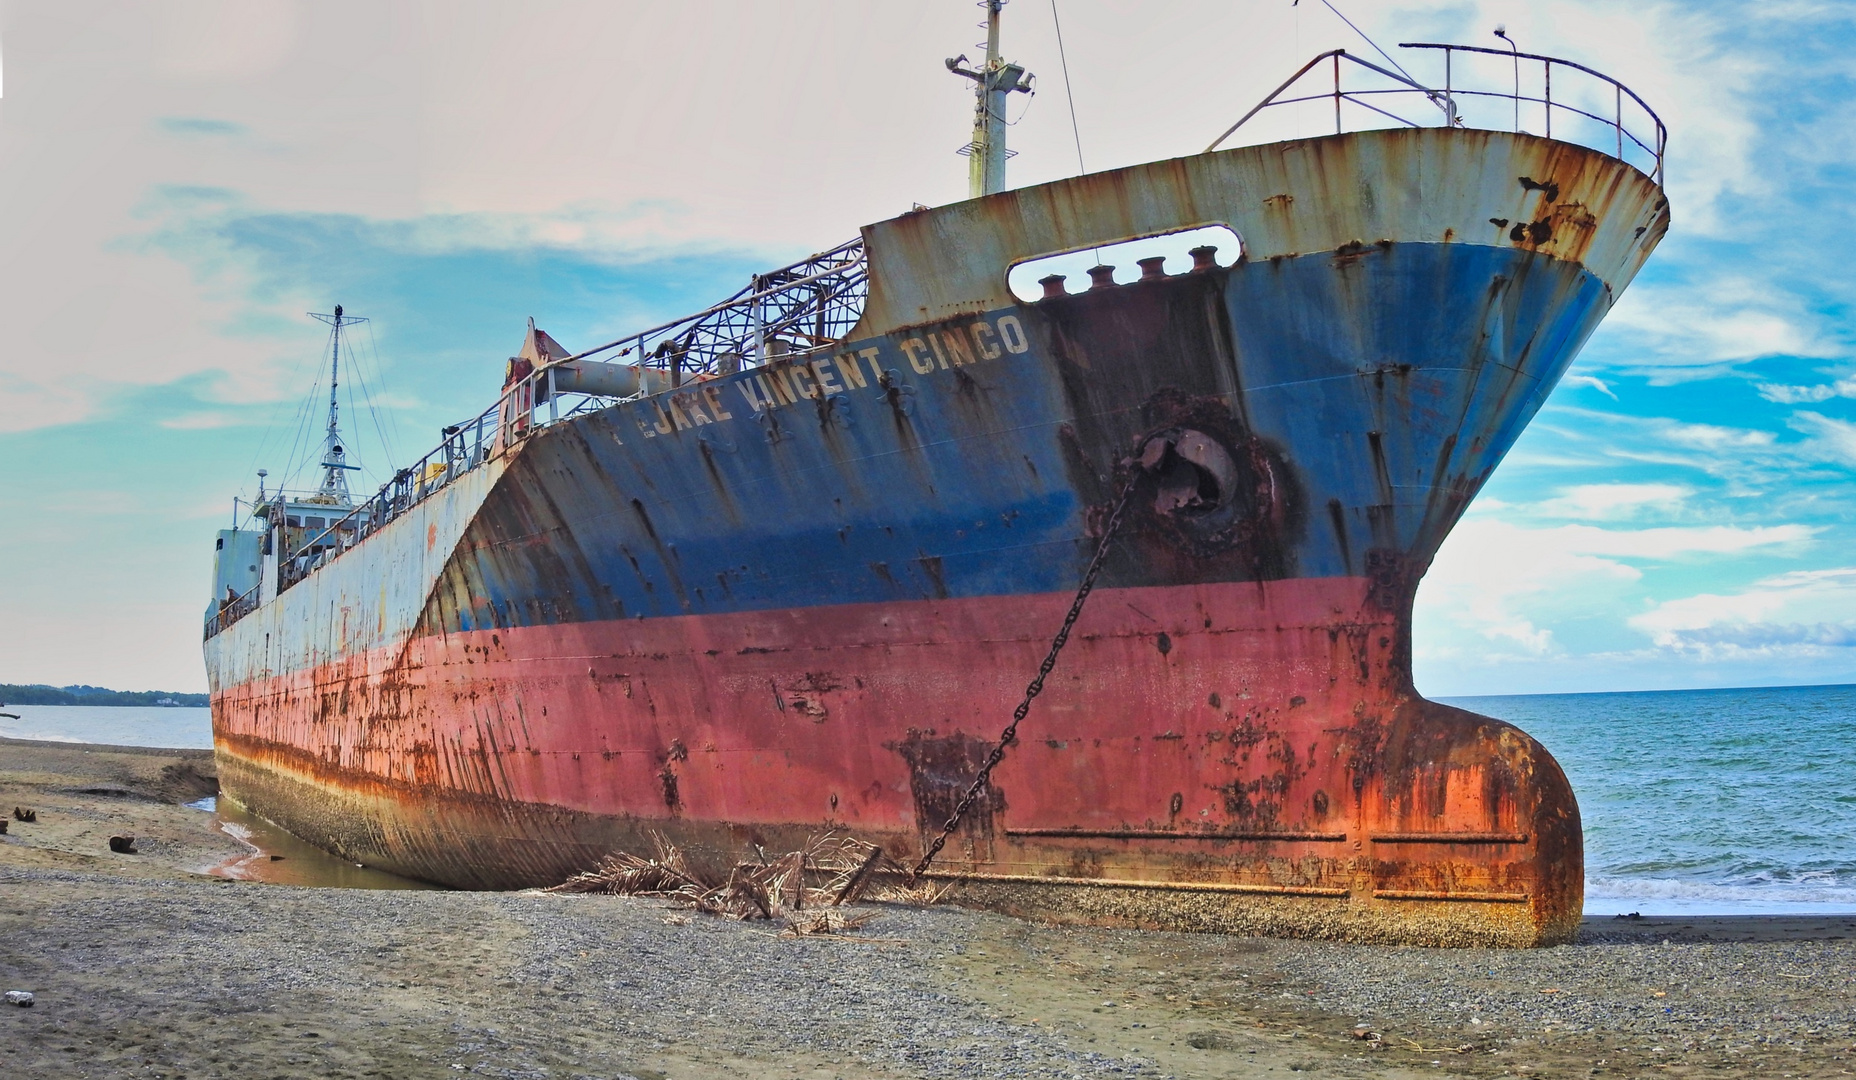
(1202, 756)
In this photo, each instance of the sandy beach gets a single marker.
(146, 965)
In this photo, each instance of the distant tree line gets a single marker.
(40, 694)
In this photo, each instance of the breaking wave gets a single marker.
(1706, 801)
(1803, 892)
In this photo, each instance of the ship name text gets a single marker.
(877, 367)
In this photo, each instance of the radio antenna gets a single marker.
(335, 467)
(992, 83)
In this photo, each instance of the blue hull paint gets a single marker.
(1385, 385)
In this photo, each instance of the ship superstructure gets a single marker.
(785, 565)
(290, 532)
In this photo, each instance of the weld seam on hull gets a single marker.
(1161, 834)
(1450, 838)
(1431, 894)
(1130, 883)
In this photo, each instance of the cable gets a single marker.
(350, 444)
(271, 426)
(299, 442)
(1388, 56)
(1064, 59)
(288, 476)
(393, 420)
(367, 397)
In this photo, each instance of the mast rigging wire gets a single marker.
(393, 423)
(304, 441)
(1337, 14)
(272, 426)
(360, 365)
(1063, 60)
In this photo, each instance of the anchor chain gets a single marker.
(1036, 687)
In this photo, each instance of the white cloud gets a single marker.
(190, 39)
(1607, 502)
(1712, 437)
(1669, 541)
(1803, 395)
(1719, 322)
(1614, 428)
(1490, 575)
(648, 229)
(1834, 439)
(422, 119)
(1597, 384)
(1811, 579)
(1746, 460)
(1683, 60)
(207, 421)
(1802, 611)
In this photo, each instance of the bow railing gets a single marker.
(1573, 103)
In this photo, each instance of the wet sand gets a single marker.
(85, 793)
(144, 965)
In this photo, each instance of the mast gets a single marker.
(335, 467)
(992, 83)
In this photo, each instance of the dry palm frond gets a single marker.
(744, 897)
(800, 887)
(860, 878)
(829, 871)
(625, 874)
(785, 878)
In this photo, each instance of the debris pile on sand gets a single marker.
(805, 889)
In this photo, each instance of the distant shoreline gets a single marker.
(42, 694)
(156, 727)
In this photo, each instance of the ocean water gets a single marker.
(1706, 801)
(1694, 801)
(127, 725)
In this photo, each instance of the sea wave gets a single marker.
(112, 725)
(1776, 896)
(1706, 801)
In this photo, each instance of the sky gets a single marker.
(181, 182)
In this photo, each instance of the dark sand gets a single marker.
(145, 966)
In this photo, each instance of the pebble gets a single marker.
(609, 980)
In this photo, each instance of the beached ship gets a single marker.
(785, 566)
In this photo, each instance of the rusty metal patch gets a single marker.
(941, 769)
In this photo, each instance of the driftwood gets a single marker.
(805, 889)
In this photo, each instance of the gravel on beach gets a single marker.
(143, 967)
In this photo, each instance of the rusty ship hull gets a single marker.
(805, 596)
